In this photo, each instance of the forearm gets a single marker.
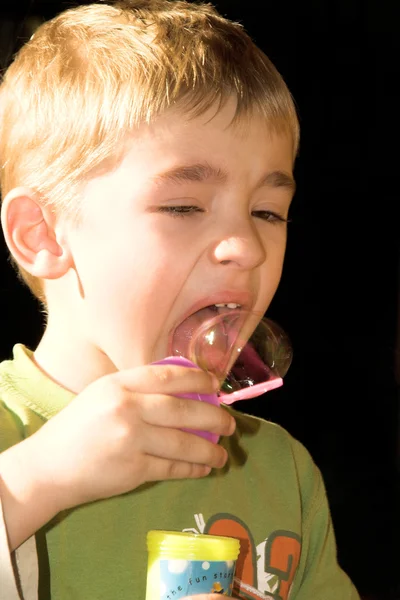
(28, 502)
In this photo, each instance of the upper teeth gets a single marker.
(228, 305)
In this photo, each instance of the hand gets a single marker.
(121, 431)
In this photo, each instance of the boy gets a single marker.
(147, 152)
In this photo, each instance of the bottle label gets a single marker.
(181, 578)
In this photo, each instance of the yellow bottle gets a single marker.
(185, 564)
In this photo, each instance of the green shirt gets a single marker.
(270, 495)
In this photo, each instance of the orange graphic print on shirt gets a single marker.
(263, 571)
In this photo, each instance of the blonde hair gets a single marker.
(94, 73)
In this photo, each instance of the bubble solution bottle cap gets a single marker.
(196, 546)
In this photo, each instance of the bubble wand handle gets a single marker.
(251, 392)
(210, 398)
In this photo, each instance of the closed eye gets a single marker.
(269, 216)
(180, 211)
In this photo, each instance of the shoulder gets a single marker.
(268, 435)
(271, 448)
(17, 419)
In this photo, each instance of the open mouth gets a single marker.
(210, 337)
(249, 354)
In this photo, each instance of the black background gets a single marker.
(339, 296)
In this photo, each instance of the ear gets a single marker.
(32, 236)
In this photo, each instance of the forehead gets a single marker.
(178, 149)
(215, 136)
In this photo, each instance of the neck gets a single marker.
(70, 360)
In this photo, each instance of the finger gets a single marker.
(173, 444)
(168, 379)
(170, 411)
(161, 469)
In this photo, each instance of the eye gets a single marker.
(269, 216)
(180, 211)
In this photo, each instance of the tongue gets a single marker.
(208, 338)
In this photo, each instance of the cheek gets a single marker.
(272, 270)
(139, 265)
(145, 283)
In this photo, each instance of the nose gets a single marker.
(242, 248)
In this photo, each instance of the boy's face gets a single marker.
(189, 218)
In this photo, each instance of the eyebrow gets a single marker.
(205, 172)
(197, 173)
(278, 179)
